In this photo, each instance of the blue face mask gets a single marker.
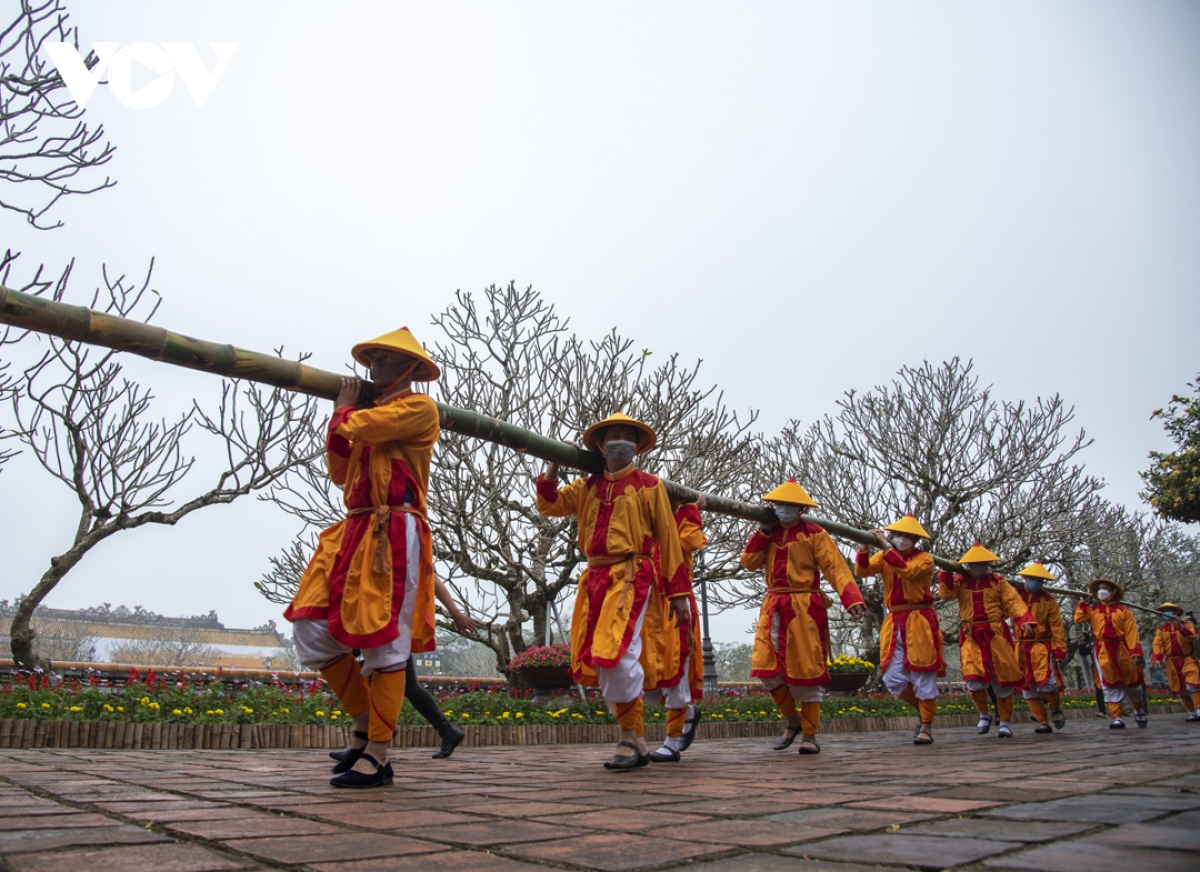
(1033, 585)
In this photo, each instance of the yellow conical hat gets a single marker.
(646, 441)
(978, 554)
(908, 524)
(790, 492)
(1168, 606)
(401, 341)
(1117, 596)
(1036, 570)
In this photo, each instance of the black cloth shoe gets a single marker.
(664, 755)
(450, 741)
(346, 759)
(689, 729)
(788, 738)
(381, 777)
(633, 761)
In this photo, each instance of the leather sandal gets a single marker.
(689, 729)
(633, 761)
(1058, 719)
(382, 776)
(810, 746)
(1043, 728)
(923, 736)
(347, 758)
(449, 743)
(788, 738)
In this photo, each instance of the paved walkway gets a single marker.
(1084, 799)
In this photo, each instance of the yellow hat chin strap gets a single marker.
(405, 376)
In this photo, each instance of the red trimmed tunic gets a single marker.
(794, 559)
(908, 597)
(1175, 647)
(356, 580)
(1115, 631)
(624, 519)
(674, 643)
(1050, 639)
(985, 642)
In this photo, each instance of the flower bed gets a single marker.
(187, 700)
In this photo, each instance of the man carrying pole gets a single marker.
(791, 644)
(1118, 649)
(624, 516)
(371, 583)
(1042, 652)
(910, 640)
(985, 643)
(1175, 648)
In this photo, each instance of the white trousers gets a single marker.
(677, 697)
(623, 683)
(1001, 692)
(317, 648)
(896, 677)
(1051, 685)
(799, 692)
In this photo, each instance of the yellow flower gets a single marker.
(20, 705)
(466, 714)
(120, 708)
(209, 712)
(45, 705)
(176, 712)
(187, 711)
(154, 706)
(577, 715)
(338, 713)
(218, 711)
(520, 714)
(320, 714)
(76, 708)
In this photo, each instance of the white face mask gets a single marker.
(786, 512)
(1103, 595)
(620, 451)
(902, 543)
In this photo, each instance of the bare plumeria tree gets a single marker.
(92, 429)
(47, 150)
(970, 467)
(507, 354)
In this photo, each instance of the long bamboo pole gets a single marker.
(81, 324)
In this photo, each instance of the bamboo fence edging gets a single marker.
(106, 735)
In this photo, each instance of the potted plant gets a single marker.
(544, 669)
(847, 673)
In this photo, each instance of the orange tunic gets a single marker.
(908, 597)
(1115, 632)
(380, 457)
(795, 558)
(985, 643)
(673, 644)
(1175, 647)
(1049, 639)
(623, 520)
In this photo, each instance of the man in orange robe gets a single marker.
(681, 670)
(370, 584)
(985, 643)
(1175, 648)
(910, 640)
(1118, 648)
(791, 643)
(624, 516)
(1042, 653)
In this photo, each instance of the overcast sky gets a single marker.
(846, 187)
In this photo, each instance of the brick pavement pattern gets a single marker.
(1090, 799)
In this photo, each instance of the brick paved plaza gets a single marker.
(1084, 800)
